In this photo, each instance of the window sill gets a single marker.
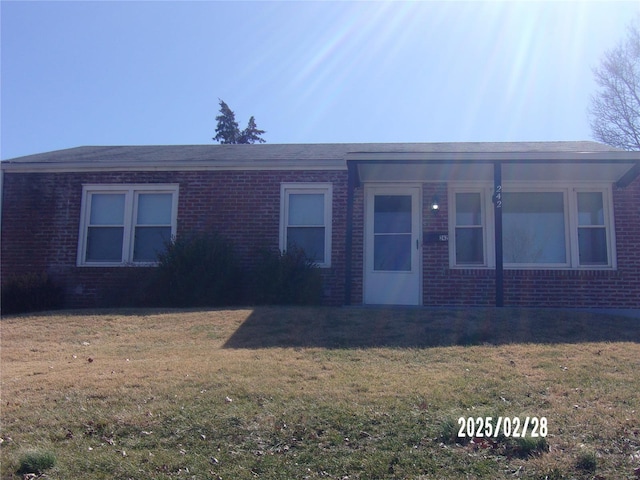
(534, 267)
(118, 265)
(542, 271)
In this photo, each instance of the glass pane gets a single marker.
(107, 209)
(309, 239)
(592, 243)
(306, 209)
(104, 244)
(469, 246)
(590, 208)
(392, 252)
(468, 209)
(154, 208)
(533, 227)
(392, 214)
(149, 241)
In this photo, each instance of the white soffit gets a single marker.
(483, 172)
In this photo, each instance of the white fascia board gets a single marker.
(164, 166)
(515, 157)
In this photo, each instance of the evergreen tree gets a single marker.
(252, 133)
(228, 132)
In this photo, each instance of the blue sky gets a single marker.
(130, 73)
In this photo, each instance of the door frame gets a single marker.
(399, 188)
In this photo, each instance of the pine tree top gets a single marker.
(228, 131)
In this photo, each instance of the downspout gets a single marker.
(497, 209)
(1, 195)
(352, 181)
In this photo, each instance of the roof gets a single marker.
(325, 156)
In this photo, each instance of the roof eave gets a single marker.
(209, 165)
(505, 157)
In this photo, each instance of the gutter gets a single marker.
(505, 157)
(167, 166)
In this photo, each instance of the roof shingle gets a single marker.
(318, 151)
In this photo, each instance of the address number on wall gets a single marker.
(436, 237)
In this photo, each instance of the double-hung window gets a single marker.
(126, 224)
(593, 241)
(560, 227)
(469, 235)
(305, 220)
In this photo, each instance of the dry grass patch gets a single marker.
(317, 393)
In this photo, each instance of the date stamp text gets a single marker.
(493, 427)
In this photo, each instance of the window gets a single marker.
(469, 229)
(306, 220)
(592, 229)
(124, 224)
(152, 228)
(392, 233)
(552, 228)
(106, 227)
(533, 228)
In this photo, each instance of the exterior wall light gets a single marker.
(435, 205)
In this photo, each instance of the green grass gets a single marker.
(587, 461)
(36, 462)
(293, 393)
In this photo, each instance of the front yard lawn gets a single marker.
(337, 393)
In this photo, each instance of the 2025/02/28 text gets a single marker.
(479, 427)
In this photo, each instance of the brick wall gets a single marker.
(549, 288)
(357, 258)
(443, 285)
(41, 217)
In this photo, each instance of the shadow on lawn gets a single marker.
(418, 328)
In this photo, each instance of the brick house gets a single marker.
(542, 223)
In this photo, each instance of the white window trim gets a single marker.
(131, 192)
(571, 224)
(485, 209)
(567, 229)
(307, 188)
(609, 226)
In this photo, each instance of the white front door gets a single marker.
(392, 245)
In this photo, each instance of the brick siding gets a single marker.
(543, 288)
(41, 217)
(41, 221)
